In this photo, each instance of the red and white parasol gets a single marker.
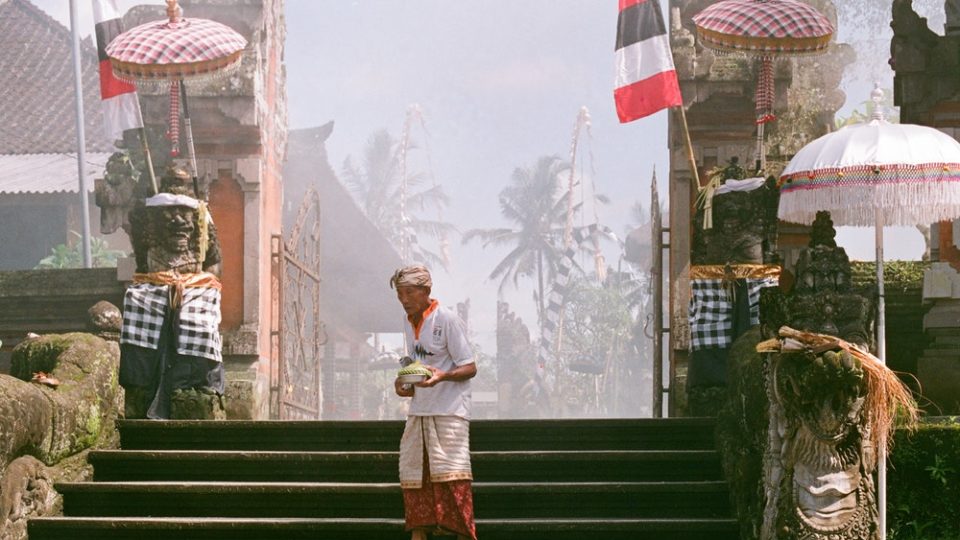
(175, 51)
(764, 29)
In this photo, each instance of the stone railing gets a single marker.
(61, 398)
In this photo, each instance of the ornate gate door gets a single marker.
(297, 332)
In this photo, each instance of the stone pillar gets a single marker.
(952, 9)
(938, 370)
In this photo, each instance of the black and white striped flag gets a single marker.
(646, 78)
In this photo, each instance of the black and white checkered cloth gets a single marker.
(712, 310)
(198, 334)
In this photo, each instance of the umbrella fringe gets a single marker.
(905, 203)
(157, 80)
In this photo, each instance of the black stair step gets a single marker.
(371, 529)
(946, 342)
(940, 333)
(485, 435)
(952, 352)
(515, 466)
(382, 500)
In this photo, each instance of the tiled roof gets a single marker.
(48, 173)
(37, 85)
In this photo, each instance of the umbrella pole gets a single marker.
(882, 355)
(760, 151)
(188, 133)
(145, 148)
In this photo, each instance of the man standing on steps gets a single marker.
(435, 471)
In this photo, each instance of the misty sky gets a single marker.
(500, 83)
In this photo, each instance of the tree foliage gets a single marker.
(71, 255)
(399, 213)
(536, 206)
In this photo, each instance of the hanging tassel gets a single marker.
(765, 91)
(173, 118)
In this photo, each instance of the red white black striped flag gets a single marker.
(121, 108)
(646, 79)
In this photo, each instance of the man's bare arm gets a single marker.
(459, 373)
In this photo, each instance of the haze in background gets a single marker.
(500, 83)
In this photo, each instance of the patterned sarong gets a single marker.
(435, 475)
(712, 301)
(196, 298)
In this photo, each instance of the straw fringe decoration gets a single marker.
(887, 397)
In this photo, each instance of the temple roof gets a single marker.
(356, 260)
(48, 173)
(37, 85)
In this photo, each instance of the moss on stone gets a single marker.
(742, 431)
(38, 354)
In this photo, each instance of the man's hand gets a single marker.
(459, 373)
(436, 377)
(402, 389)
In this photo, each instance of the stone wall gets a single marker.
(45, 429)
(927, 90)
(28, 305)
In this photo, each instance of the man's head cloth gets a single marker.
(411, 276)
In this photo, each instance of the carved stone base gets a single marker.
(197, 405)
(247, 394)
(136, 401)
(26, 491)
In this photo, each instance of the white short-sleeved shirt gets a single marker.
(441, 342)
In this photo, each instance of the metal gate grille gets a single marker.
(297, 335)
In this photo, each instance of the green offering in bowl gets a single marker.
(414, 373)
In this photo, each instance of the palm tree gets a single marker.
(537, 207)
(377, 185)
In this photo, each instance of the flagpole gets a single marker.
(689, 145)
(81, 139)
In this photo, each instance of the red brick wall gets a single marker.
(226, 206)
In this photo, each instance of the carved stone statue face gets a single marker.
(738, 230)
(823, 396)
(178, 223)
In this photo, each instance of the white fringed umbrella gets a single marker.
(877, 174)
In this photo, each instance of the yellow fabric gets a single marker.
(735, 271)
(447, 443)
(178, 282)
(203, 218)
(705, 201)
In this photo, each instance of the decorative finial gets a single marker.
(877, 97)
(173, 11)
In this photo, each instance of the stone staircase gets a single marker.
(536, 479)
